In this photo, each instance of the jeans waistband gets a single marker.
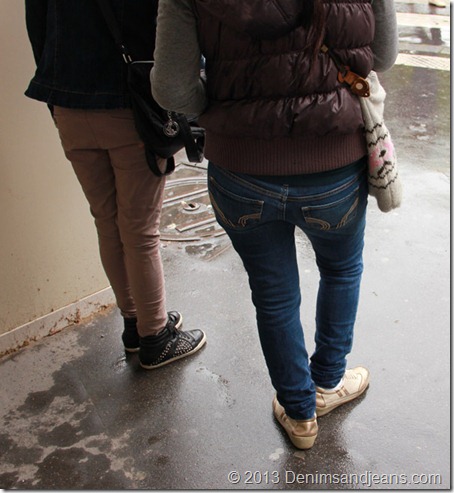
(315, 179)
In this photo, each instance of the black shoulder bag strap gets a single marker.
(114, 28)
(192, 150)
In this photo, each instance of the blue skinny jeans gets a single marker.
(260, 216)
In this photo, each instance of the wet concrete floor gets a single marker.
(77, 413)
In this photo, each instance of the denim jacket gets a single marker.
(78, 62)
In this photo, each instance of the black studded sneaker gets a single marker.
(169, 345)
(130, 336)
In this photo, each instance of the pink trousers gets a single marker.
(125, 200)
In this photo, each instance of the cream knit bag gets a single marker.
(383, 175)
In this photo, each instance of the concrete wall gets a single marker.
(48, 247)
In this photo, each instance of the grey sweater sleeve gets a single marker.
(385, 45)
(175, 79)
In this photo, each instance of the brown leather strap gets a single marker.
(358, 85)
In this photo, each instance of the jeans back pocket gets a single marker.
(335, 214)
(232, 210)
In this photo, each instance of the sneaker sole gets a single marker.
(321, 411)
(303, 443)
(132, 349)
(199, 346)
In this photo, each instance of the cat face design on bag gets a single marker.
(381, 155)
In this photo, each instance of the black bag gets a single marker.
(163, 132)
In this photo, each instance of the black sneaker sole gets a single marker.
(171, 360)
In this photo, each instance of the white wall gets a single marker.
(48, 246)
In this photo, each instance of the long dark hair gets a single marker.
(314, 19)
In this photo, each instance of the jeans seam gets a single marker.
(344, 220)
(276, 195)
(249, 185)
(328, 193)
(242, 220)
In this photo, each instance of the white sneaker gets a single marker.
(354, 383)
